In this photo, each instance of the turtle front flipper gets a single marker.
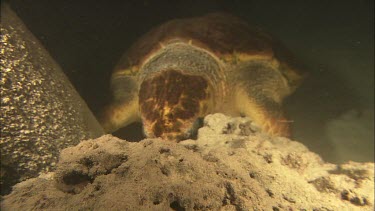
(259, 91)
(124, 109)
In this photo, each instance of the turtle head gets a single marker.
(172, 104)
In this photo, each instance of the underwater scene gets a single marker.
(187, 105)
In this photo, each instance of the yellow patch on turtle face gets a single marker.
(171, 102)
(131, 71)
(239, 57)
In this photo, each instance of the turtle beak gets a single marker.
(179, 130)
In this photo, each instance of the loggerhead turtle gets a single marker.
(185, 69)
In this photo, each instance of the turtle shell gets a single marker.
(227, 37)
(216, 63)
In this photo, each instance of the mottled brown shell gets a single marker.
(245, 72)
(221, 34)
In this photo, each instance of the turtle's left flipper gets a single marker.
(259, 94)
(124, 108)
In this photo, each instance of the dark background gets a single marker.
(333, 39)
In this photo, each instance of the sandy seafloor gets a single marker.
(231, 166)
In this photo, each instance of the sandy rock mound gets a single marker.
(232, 166)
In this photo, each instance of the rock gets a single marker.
(41, 113)
(221, 170)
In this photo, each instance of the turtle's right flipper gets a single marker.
(259, 93)
(124, 109)
(264, 112)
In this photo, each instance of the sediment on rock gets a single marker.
(41, 112)
(231, 166)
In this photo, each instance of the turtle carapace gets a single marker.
(185, 69)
